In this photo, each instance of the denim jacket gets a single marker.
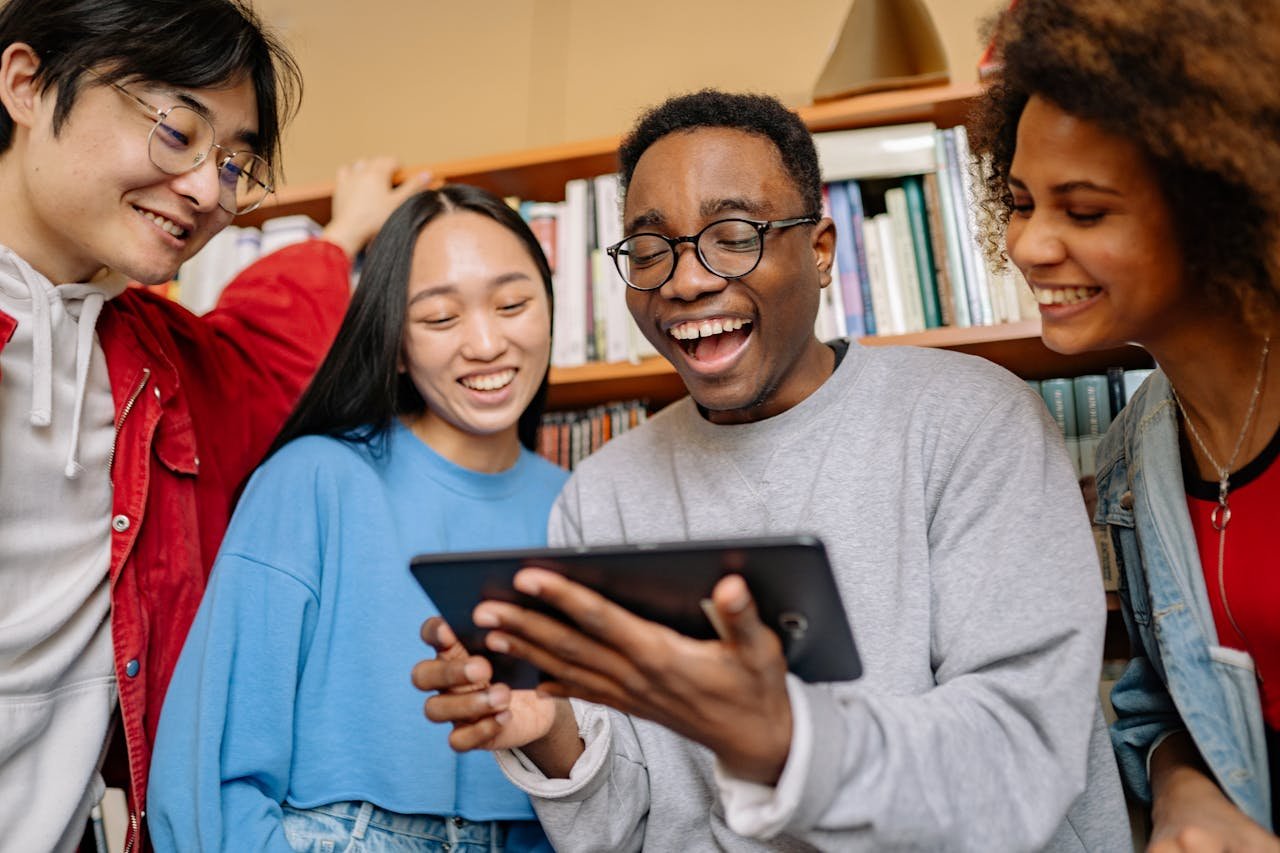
(1180, 677)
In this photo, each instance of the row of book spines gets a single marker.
(566, 438)
(592, 322)
(1084, 406)
(919, 264)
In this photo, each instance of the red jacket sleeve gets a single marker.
(262, 343)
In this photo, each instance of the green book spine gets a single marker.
(1059, 396)
(918, 219)
(1093, 407)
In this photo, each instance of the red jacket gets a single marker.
(198, 400)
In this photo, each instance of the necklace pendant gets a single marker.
(1220, 517)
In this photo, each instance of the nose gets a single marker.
(1032, 242)
(202, 185)
(691, 279)
(485, 340)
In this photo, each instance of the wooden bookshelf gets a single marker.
(539, 174)
(1015, 346)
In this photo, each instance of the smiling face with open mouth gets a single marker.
(477, 337)
(744, 347)
(1094, 235)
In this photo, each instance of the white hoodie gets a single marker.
(57, 682)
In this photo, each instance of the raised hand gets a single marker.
(491, 716)
(363, 198)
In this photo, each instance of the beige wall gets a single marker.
(429, 80)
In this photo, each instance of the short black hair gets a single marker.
(758, 114)
(190, 44)
(359, 390)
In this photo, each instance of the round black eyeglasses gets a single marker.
(729, 248)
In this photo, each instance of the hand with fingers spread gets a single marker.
(492, 716)
(363, 198)
(729, 695)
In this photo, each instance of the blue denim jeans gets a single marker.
(353, 827)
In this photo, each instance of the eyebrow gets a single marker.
(449, 287)
(244, 136)
(1068, 187)
(708, 209)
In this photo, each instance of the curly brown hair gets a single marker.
(1195, 84)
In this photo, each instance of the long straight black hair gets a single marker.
(359, 390)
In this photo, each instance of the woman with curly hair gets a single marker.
(1134, 174)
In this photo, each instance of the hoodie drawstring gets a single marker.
(86, 301)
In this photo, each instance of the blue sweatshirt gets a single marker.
(294, 682)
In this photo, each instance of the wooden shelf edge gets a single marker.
(1014, 346)
(949, 337)
(892, 107)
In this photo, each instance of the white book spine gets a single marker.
(876, 277)
(895, 200)
(892, 274)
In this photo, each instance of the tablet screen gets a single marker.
(789, 577)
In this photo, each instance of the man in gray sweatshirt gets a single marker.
(942, 490)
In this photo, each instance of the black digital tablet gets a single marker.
(789, 577)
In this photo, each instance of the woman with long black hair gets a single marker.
(291, 723)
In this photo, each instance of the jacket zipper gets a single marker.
(134, 816)
(124, 413)
(133, 832)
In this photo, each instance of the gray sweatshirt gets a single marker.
(964, 559)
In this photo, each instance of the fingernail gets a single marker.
(497, 643)
(502, 718)
(485, 618)
(739, 602)
(527, 583)
(473, 670)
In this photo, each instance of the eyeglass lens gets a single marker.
(183, 139)
(730, 248)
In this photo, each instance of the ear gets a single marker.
(824, 249)
(19, 91)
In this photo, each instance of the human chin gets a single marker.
(1072, 336)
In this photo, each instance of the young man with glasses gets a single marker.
(132, 131)
(946, 502)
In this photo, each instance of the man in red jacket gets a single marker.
(131, 132)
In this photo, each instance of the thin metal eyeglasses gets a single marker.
(729, 248)
(182, 139)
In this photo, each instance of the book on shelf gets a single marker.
(201, 279)
(952, 237)
(921, 246)
(902, 238)
(850, 265)
(933, 272)
(568, 437)
(1060, 399)
(1133, 379)
(1093, 416)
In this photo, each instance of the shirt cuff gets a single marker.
(754, 810)
(1155, 744)
(595, 729)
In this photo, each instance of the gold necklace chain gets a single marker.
(1221, 515)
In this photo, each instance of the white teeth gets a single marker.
(1064, 295)
(695, 329)
(165, 225)
(489, 381)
